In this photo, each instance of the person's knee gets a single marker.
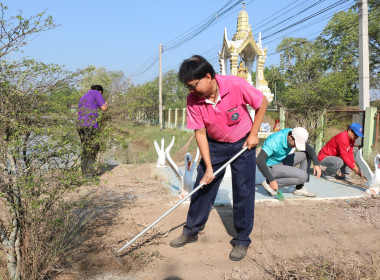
(339, 162)
(303, 177)
(302, 155)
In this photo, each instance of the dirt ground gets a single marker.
(291, 240)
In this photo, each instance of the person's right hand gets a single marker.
(360, 173)
(274, 185)
(208, 176)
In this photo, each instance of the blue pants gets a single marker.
(243, 170)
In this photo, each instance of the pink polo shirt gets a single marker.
(229, 121)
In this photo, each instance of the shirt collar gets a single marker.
(223, 88)
(210, 102)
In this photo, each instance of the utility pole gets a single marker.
(363, 55)
(160, 86)
(275, 95)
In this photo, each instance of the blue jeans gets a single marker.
(243, 171)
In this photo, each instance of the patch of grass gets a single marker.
(142, 137)
(337, 265)
(322, 267)
(3, 266)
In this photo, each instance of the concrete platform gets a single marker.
(323, 188)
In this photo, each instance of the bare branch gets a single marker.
(16, 31)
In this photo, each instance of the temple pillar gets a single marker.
(223, 65)
(249, 65)
(259, 71)
(234, 57)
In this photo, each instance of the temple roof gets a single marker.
(242, 26)
(243, 41)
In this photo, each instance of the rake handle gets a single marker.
(180, 202)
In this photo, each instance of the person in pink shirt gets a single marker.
(217, 111)
(338, 154)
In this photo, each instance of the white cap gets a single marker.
(300, 136)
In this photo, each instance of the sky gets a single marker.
(124, 35)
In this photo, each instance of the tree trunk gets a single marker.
(12, 241)
(12, 249)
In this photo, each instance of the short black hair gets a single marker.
(97, 87)
(195, 68)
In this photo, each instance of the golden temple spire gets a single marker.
(242, 25)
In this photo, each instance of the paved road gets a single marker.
(323, 188)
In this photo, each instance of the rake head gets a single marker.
(117, 258)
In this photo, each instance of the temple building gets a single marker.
(241, 52)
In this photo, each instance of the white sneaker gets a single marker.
(304, 192)
(266, 186)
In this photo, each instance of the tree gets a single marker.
(341, 37)
(114, 83)
(339, 44)
(276, 81)
(38, 153)
(174, 94)
(144, 98)
(310, 89)
(17, 30)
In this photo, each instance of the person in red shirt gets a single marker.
(338, 154)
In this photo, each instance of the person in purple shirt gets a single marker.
(88, 127)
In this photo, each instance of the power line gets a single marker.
(199, 28)
(311, 39)
(271, 19)
(150, 61)
(310, 24)
(293, 16)
(220, 16)
(328, 8)
(226, 11)
(307, 18)
(190, 34)
(215, 58)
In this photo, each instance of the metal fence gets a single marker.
(331, 123)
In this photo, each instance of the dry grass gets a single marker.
(3, 267)
(338, 267)
(364, 210)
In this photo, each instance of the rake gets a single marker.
(171, 209)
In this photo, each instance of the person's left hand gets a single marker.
(252, 141)
(317, 170)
